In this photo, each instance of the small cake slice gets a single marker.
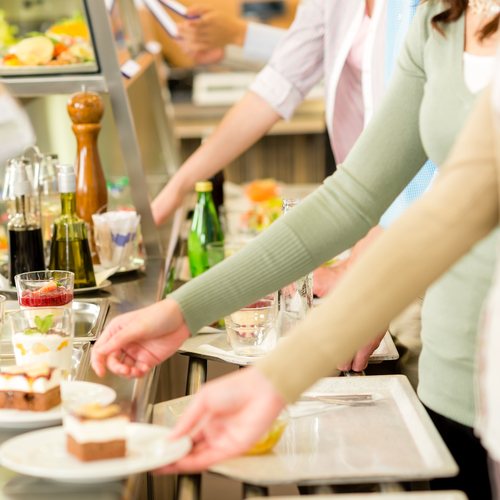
(96, 432)
(34, 387)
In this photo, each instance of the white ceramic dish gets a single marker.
(43, 453)
(135, 265)
(71, 392)
(103, 285)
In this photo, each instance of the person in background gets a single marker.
(405, 329)
(461, 209)
(16, 131)
(342, 43)
(204, 38)
(446, 60)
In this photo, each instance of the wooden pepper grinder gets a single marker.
(85, 110)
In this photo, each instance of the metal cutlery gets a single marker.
(342, 399)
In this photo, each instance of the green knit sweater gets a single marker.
(424, 107)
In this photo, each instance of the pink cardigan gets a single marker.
(316, 46)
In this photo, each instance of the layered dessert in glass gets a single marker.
(45, 289)
(43, 334)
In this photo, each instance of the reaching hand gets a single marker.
(327, 277)
(206, 57)
(135, 342)
(213, 29)
(362, 357)
(225, 419)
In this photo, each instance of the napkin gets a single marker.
(222, 352)
(4, 283)
(115, 234)
(103, 274)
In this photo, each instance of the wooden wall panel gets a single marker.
(286, 158)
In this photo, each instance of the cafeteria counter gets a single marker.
(128, 292)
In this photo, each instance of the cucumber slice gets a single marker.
(34, 51)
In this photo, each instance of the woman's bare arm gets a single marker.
(243, 125)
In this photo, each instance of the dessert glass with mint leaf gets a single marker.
(44, 334)
(45, 289)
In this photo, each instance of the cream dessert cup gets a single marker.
(44, 334)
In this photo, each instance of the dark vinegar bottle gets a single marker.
(25, 236)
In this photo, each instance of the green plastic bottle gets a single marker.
(205, 228)
(70, 249)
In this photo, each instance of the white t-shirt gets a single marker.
(478, 71)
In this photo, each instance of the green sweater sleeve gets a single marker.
(386, 157)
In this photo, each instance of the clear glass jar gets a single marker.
(296, 299)
(50, 200)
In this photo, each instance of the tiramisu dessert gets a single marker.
(32, 387)
(96, 432)
(45, 343)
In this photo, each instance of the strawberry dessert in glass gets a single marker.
(45, 289)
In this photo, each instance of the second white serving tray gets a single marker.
(394, 440)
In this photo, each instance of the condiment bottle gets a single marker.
(85, 110)
(296, 299)
(50, 200)
(205, 228)
(25, 236)
(218, 190)
(70, 249)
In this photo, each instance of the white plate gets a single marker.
(104, 284)
(43, 453)
(135, 265)
(83, 392)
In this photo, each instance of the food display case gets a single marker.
(45, 39)
(50, 49)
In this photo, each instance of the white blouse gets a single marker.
(478, 71)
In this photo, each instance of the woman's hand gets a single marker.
(226, 418)
(362, 357)
(170, 198)
(327, 277)
(135, 342)
(213, 29)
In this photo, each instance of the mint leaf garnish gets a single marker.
(42, 325)
(46, 323)
(30, 331)
(38, 322)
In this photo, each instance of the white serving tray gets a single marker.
(392, 441)
(220, 350)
